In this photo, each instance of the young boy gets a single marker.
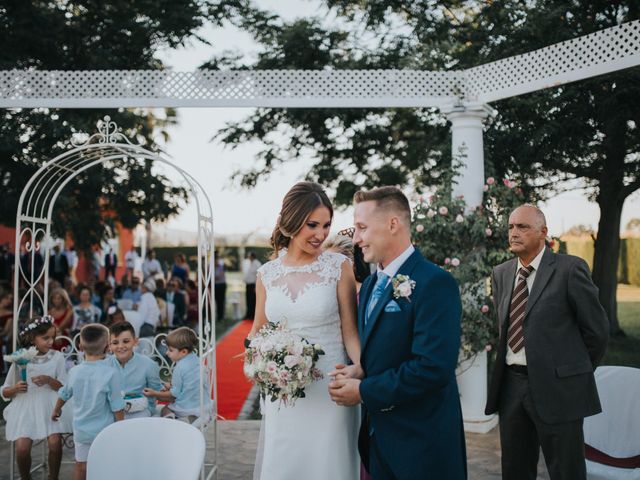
(184, 391)
(137, 371)
(97, 396)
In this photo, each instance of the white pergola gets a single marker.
(463, 96)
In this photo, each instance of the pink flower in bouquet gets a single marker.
(443, 210)
(484, 309)
(291, 361)
(488, 232)
(455, 262)
(272, 367)
(447, 261)
(491, 181)
(419, 228)
(459, 219)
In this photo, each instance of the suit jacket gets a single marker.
(565, 336)
(409, 356)
(107, 261)
(64, 264)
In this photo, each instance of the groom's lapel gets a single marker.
(365, 293)
(405, 269)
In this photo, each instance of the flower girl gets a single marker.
(32, 390)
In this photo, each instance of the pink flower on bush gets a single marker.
(484, 309)
(459, 219)
(455, 262)
(443, 210)
(431, 213)
(485, 188)
(491, 181)
(447, 261)
(419, 228)
(488, 232)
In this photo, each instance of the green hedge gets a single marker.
(628, 262)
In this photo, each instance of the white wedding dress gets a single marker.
(314, 439)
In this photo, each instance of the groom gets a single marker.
(409, 325)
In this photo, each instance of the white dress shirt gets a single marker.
(396, 263)
(520, 358)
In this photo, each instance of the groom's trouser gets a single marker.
(378, 468)
(522, 433)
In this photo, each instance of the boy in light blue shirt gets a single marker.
(95, 388)
(184, 391)
(137, 372)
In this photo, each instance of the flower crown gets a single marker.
(45, 319)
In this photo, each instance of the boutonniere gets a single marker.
(403, 286)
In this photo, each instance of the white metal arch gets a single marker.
(33, 234)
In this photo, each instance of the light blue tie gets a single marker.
(378, 290)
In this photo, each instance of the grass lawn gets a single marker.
(626, 350)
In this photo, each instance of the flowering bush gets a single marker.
(469, 243)
(281, 363)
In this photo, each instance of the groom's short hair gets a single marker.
(387, 198)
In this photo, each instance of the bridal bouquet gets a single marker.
(21, 358)
(281, 363)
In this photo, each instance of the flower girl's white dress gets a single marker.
(314, 439)
(29, 414)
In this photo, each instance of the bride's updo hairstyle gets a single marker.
(297, 205)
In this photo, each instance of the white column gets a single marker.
(467, 146)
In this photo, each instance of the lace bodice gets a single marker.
(306, 298)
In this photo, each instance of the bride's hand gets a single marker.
(347, 371)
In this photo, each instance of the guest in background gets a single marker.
(160, 287)
(114, 316)
(148, 309)
(122, 287)
(192, 303)
(61, 310)
(6, 325)
(85, 312)
(173, 296)
(72, 260)
(180, 268)
(107, 300)
(7, 264)
(58, 265)
(131, 260)
(249, 274)
(110, 264)
(96, 263)
(220, 286)
(151, 267)
(133, 293)
(70, 288)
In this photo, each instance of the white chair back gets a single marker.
(157, 448)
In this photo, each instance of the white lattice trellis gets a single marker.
(601, 52)
(33, 234)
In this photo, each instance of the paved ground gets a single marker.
(238, 442)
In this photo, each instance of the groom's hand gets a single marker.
(345, 391)
(347, 371)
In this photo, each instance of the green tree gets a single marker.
(93, 35)
(585, 131)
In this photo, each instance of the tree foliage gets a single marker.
(93, 35)
(586, 131)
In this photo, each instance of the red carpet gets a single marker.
(233, 387)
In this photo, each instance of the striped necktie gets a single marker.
(378, 289)
(515, 334)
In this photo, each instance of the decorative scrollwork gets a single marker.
(108, 134)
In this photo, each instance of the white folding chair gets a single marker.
(616, 431)
(157, 448)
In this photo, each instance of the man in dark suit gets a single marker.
(553, 334)
(409, 325)
(174, 296)
(110, 264)
(58, 265)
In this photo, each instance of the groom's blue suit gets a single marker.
(412, 424)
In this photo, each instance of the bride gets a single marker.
(315, 293)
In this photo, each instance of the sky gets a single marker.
(241, 211)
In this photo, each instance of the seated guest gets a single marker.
(85, 312)
(151, 267)
(184, 390)
(173, 296)
(107, 300)
(122, 286)
(114, 315)
(148, 309)
(138, 371)
(133, 293)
